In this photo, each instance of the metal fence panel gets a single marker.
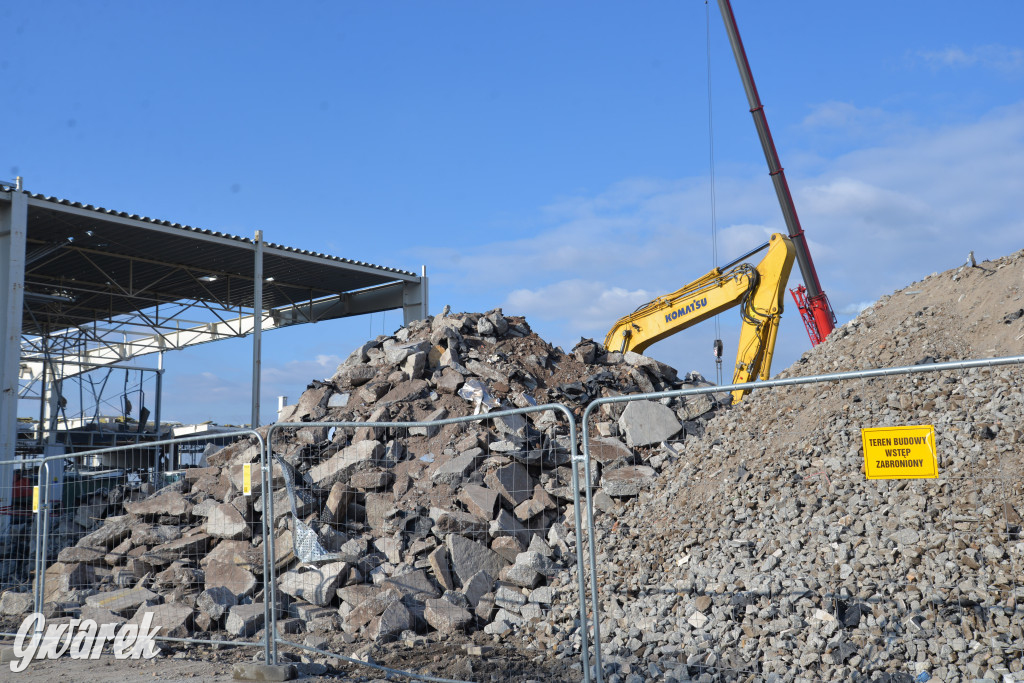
(741, 567)
(18, 557)
(441, 550)
(120, 537)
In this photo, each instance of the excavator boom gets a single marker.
(759, 291)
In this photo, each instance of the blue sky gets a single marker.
(549, 158)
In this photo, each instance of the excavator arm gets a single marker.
(758, 291)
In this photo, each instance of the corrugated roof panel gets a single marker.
(115, 268)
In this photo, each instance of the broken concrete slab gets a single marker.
(508, 547)
(478, 585)
(169, 504)
(366, 611)
(154, 534)
(459, 522)
(628, 481)
(512, 482)
(236, 579)
(406, 391)
(604, 450)
(392, 621)
(14, 604)
(114, 531)
(124, 602)
(85, 555)
(315, 585)
(330, 471)
(480, 501)
(438, 560)
(172, 620)
(216, 601)
(225, 521)
(416, 585)
(469, 557)
(245, 620)
(446, 617)
(191, 547)
(504, 524)
(695, 406)
(648, 422)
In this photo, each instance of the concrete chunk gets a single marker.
(469, 557)
(171, 504)
(245, 620)
(371, 608)
(446, 617)
(438, 559)
(607, 449)
(457, 469)
(239, 580)
(225, 521)
(174, 620)
(480, 501)
(648, 422)
(15, 604)
(392, 621)
(125, 601)
(628, 481)
(215, 602)
(512, 482)
(417, 585)
(314, 585)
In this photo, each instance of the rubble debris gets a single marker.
(468, 527)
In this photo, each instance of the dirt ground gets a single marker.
(200, 663)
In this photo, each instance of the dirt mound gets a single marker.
(763, 550)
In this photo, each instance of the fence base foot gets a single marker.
(263, 672)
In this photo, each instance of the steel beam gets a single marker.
(414, 299)
(13, 230)
(257, 330)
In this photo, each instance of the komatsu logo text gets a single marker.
(689, 308)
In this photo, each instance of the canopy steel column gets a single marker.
(257, 328)
(415, 304)
(13, 230)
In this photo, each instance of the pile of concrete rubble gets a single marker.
(430, 530)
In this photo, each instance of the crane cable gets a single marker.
(717, 346)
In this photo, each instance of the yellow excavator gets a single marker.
(757, 290)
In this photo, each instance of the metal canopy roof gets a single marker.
(85, 263)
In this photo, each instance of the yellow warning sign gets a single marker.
(247, 479)
(900, 452)
(35, 499)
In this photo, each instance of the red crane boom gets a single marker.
(815, 309)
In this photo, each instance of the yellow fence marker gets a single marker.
(900, 452)
(247, 479)
(35, 499)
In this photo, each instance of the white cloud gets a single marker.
(997, 57)
(877, 218)
(588, 306)
(196, 396)
(844, 115)
(852, 309)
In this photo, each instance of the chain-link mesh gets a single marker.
(753, 547)
(18, 545)
(443, 549)
(123, 536)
